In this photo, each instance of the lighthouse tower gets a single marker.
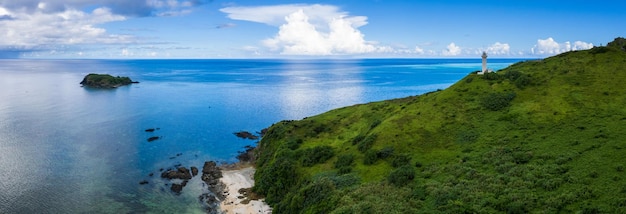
(484, 70)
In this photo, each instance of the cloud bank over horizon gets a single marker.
(180, 28)
(324, 30)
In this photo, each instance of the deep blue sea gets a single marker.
(69, 149)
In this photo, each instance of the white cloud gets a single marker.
(580, 45)
(452, 50)
(499, 48)
(419, 50)
(319, 15)
(69, 27)
(550, 47)
(309, 29)
(547, 46)
(121, 7)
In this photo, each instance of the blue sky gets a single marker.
(122, 29)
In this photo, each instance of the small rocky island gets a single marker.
(105, 81)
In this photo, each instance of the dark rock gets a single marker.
(248, 155)
(194, 171)
(150, 130)
(180, 173)
(211, 173)
(105, 81)
(153, 138)
(143, 182)
(246, 135)
(263, 132)
(177, 188)
(151, 174)
(211, 203)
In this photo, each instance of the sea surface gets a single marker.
(69, 149)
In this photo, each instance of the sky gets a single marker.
(190, 29)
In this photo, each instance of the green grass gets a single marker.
(543, 136)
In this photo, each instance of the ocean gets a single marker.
(69, 149)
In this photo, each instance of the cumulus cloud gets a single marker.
(550, 47)
(452, 50)
(499, 48)
(120, 7)
(580, 45)
(318, 15)
(418, 50)
(309, 29)
(39, 30)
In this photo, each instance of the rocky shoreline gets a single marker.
(228, 185)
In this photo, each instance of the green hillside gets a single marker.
(544, 136)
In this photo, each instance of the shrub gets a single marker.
(345, 170)
(366, 143)
(492, 76)
(498, 101)
(402, 176)
(293, 144)
(316, 155)
(522, 157)
(385, 152)
(467, 136)
(375, 123)
(371, 156)
(358, 139)
(512, 75)
(274, 179)
(317, 191)
(400, 160)
(345, 180)
(344, 161)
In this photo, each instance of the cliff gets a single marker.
(539, 136)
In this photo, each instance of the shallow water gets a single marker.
(69, 149)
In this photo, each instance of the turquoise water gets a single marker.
(69, 149)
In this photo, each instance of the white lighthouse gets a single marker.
(484, 70)
(484, 62)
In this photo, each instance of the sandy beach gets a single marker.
(234, 180)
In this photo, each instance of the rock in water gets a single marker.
(211, 173)
(177, 188)
(194, 171)
(246, 135)
(180, 173)
(105, 81)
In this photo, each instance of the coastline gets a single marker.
(236, 201)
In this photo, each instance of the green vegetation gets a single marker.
(105, 81)
(542, 136)
(619, 43)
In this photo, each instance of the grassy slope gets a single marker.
(559, 146)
